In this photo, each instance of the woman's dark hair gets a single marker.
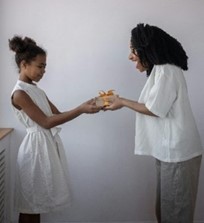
(26, 49)
(155, 47)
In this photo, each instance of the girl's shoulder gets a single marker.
(16, 87)
(23, 86)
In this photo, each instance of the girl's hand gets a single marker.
(90, 107)
(115, 104)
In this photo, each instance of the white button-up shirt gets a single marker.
(173, 135)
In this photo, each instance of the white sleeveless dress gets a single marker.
(42, 179)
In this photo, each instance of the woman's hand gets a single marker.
(114, 104)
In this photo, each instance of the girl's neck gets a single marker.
(25, 79)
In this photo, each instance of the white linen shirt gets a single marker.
(173, 135)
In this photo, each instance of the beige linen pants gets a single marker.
(177, 185)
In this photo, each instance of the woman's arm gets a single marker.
(118, 103)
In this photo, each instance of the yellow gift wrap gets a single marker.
(104, 97)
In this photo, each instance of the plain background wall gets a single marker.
(88, 45)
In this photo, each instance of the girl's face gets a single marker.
(34, 70)
(133, 56)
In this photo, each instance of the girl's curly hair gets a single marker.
(25, 49)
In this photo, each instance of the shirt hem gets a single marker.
(168, 159)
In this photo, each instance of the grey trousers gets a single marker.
(177, 185)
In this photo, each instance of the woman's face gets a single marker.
(133, 56)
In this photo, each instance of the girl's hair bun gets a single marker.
(25, 49)
(29, 41)
(19, 45)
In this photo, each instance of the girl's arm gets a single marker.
(22, 101)
(53, 107)
(118, 103)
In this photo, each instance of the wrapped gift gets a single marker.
(104, 98)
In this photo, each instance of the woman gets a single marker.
(165, 126)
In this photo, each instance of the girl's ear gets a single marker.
(23, 64)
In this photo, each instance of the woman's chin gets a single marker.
(140, 69)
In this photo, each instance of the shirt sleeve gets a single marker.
(163, 94)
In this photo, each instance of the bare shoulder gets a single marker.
(21, 99)
(18, 93)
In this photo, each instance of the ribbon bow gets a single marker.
(108, 93)
(104, 96)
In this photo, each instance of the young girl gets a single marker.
(165, 126)
(42, 184)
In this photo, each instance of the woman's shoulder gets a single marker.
(167, 69)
